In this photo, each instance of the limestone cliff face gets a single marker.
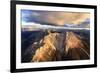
(75, 47)
(50, 51)
(61, 46)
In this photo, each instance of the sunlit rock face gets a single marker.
(75, 47)
(61, 46)
(51, 49)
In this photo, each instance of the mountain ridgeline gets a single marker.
(44, 46)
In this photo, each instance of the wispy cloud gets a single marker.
(35, 26)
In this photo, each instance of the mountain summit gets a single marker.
(61, 46)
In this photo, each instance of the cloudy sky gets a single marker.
(57, 18)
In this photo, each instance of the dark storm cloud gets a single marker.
(54, 17)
